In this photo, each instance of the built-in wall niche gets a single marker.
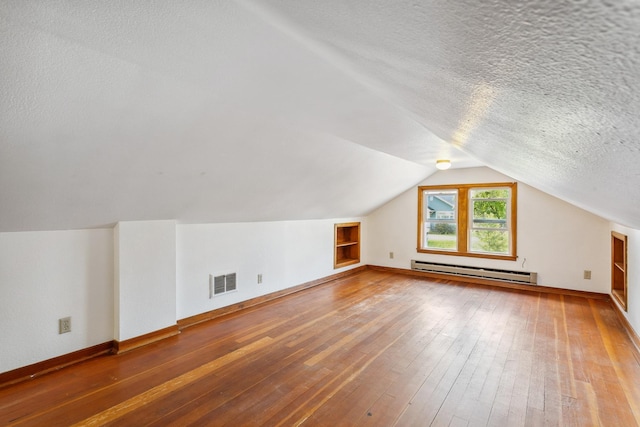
(619, 268)
(347, 244)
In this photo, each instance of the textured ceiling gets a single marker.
(547, 92)
(249, 111)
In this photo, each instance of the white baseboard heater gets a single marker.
(525, 277)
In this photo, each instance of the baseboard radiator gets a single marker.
(525, 277)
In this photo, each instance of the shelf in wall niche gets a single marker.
(619, 268)
(339, 245)
(346, 244)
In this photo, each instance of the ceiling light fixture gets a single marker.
(443, 164)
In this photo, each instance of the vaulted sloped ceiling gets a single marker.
(247, 111)
(545, 91)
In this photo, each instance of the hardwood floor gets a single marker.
(371, 349)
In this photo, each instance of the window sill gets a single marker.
(469, 254)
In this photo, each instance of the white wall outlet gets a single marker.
(64, 325)
(587, 274)
(259, 278)
(390, 255)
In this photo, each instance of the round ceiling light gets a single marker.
(443, 164)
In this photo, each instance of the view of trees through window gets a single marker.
(483, 228)
(489, 227)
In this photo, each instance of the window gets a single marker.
(470, 220)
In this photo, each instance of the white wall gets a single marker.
(142, 276)
(145, 277)
(555, 239)
(48, 275)
(286, 253)
(633, 275)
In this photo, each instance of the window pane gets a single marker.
(489, 214)
(440, 223)
(441, 235)
(492, 241)
(440, 205)
(494, 193)
(489, 227)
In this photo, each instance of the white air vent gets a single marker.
(230, 282)
(480, 272)
(221, 284)
(218, 285)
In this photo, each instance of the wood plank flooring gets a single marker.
(372, 349)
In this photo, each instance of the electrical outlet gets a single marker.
(259, 278)
(390, 255)
(64, 325)
(587, 274)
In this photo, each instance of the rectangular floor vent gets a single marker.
(480, 272)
